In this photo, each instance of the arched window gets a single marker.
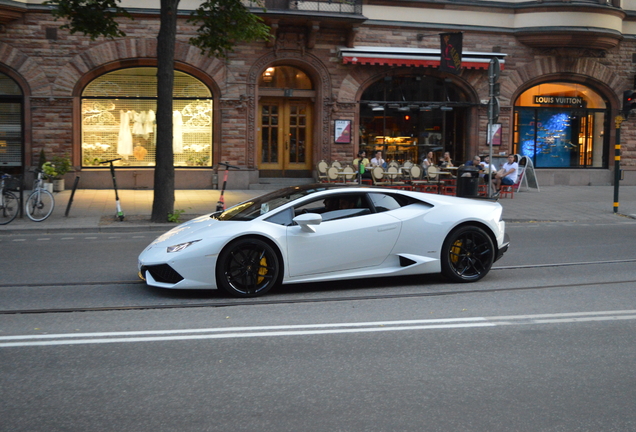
(118, 119)
(562, 125)
(11, 101)
(287, 77)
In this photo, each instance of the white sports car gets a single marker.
(319, 233)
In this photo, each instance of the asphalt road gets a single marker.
(544, 343)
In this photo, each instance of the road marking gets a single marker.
(309, 329)
(43, 239)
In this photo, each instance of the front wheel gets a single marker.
(39, 205)
(467, 254)
(248, 267)
(8, 208)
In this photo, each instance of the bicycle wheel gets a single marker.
(8, 207)
(40, 205)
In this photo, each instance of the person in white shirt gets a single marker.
(487, 166)
(377, 160)
(507, 175)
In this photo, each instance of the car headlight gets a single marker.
(180, 247)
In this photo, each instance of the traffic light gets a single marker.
(629, 102)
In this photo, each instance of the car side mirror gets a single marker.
(307, 219)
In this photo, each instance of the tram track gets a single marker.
(139, 282)
(224, 303)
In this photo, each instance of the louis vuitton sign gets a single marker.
(559, 100)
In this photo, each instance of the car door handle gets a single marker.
(387, 228)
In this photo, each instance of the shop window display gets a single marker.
(407, 116)
(561, 125)
(119, 119)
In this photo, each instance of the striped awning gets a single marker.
(413, 57)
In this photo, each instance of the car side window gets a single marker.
(337, 206)
(384, 202)
(282, 218)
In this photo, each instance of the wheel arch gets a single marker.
(267, 240)
(478, 224)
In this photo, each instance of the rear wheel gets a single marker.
(248, 267)
(8, 208)
(467, 254)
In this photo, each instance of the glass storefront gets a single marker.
(562, 125)
(118, 119)
(11, 100)
(408, 116)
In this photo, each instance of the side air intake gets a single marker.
(405, 262)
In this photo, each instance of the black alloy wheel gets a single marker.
(467, 254)
(248, 267)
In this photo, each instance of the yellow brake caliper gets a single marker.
(263, 270)
(455, 250)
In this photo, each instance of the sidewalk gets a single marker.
(93, 210)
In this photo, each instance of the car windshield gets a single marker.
(264, 204)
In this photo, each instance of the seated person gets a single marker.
(446, 161)
(507, 175)
(348, 202)
(475, 161)
(487, 166)
(331, 204)
(362, 160)
(342, 203)
(428, 161)
(378, 160)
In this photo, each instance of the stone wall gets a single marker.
(53, 72)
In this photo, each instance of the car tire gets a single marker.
(248, 267)
(467, 254)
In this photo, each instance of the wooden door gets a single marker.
(284, 138)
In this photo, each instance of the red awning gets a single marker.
(413, 57)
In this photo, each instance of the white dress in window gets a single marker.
(149, 125)
(125, 139)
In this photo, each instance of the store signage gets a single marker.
(451, 52)
(558, 100)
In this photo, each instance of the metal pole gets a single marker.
(70, 201)
(617, 159)
(493, 75)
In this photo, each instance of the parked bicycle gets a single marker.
(40, 203)
(9, 204)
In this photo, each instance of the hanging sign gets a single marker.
(451, 52)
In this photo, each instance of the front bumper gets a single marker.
(503, 248)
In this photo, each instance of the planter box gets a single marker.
(48, 187)
(58, 185)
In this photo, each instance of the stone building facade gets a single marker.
(337, 77)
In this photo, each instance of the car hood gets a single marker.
(193, 229)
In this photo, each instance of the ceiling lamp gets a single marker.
(268, 75)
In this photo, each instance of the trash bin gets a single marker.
(468, 181)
